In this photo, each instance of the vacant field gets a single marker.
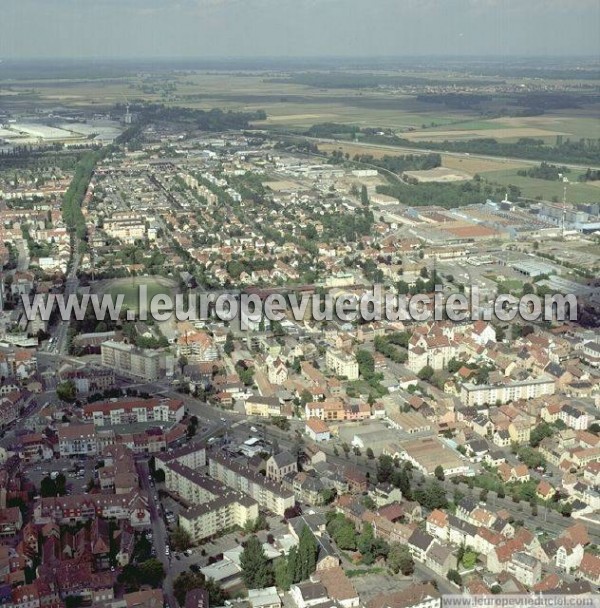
(130, 289)
(282, 185)
(532, 188)
(439, 174)
(466, 164)
(573, 126)
(590, 249)
(352, 111)
(479, 165)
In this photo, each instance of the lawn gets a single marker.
(506, 285)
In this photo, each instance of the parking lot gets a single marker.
(76, 482)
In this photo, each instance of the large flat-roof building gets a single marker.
(131, 360)
(342, 364)
(427, 453)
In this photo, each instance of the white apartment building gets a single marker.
(525, 568)
(591, 353)
(134, 410)
(342, 364)
(196, 347)
(480, 394)
(213, 506)
(575, 418)
(224, 512)
(434, 351)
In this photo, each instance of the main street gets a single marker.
(61, 332)
(159, 531)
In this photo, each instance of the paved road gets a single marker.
(33, 405)
(23, 259)
(60, 333)
(159, 531)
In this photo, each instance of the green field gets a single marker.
(129, 288)
(507, 285)
(531, 188)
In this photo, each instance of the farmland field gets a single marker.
(512, 128)
(292, 106)
(548, 190)
(467, 164)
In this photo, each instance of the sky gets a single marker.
(296, 28)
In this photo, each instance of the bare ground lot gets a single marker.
(439, 174)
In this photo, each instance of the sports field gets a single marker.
(130, 289)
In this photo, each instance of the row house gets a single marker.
(265, 407)
(589, 568)
(134, 410)
(75, 508)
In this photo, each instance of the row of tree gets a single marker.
(300, 563)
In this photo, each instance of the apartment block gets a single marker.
(342, 364)
(196, 347)
(130, 360)
(222, 513)
(134, 410)
(125, 229)
(266, 493)
(574, 417)
(77, 440)
(213, 506)
(480, 394)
